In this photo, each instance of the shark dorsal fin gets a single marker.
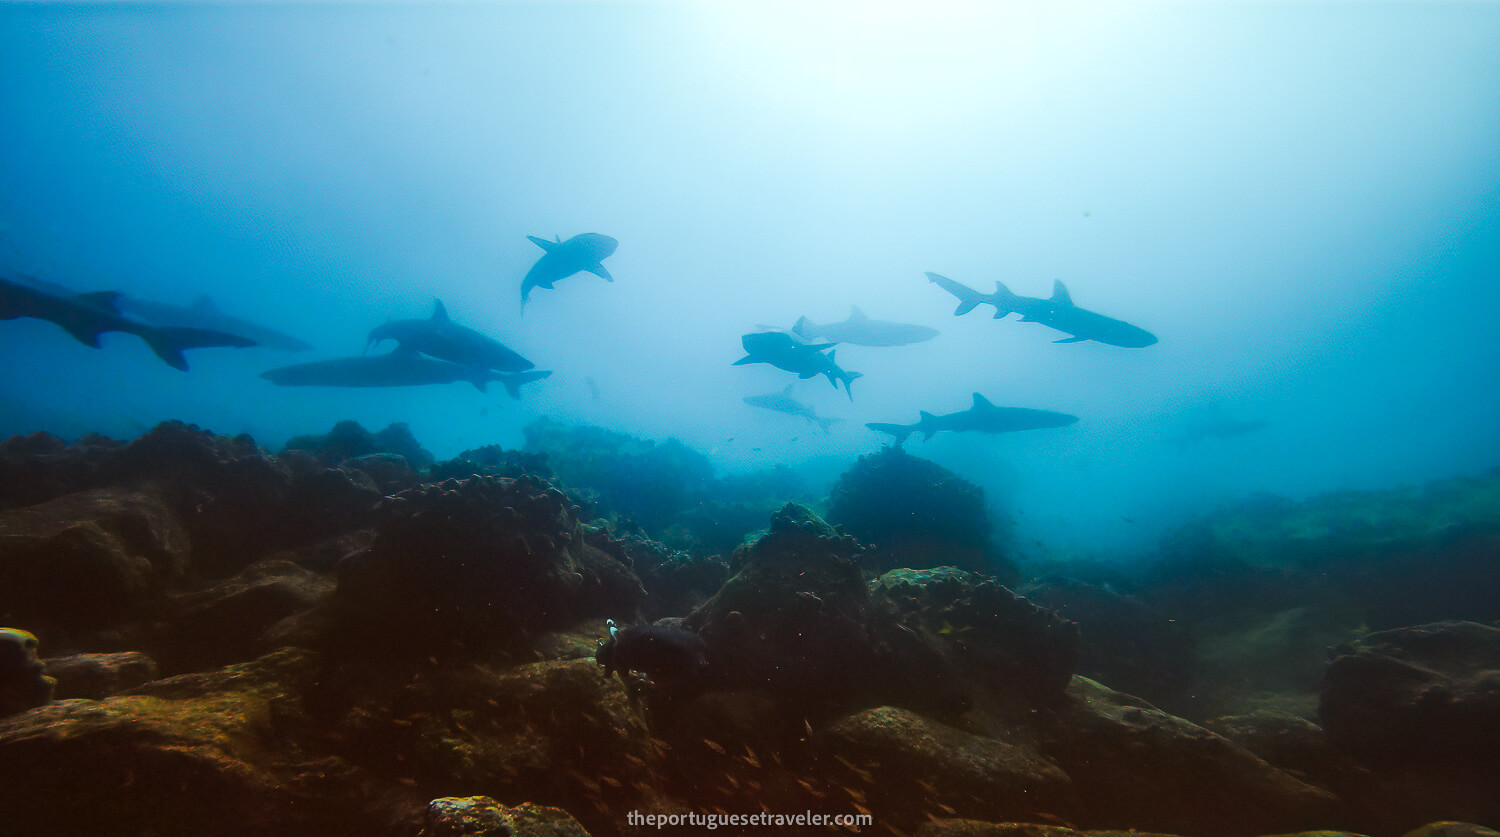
(981, 403)
(439, 312)
(1060, 293)
(558, 237)
(800, 327)
(925, 415)
(541, 242)
(857, 315)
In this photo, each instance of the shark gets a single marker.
(783, 402)
(439, 337)
(982, 417)
(860, 330)
(88, 315)
(1059, 313)
(584, 252)
(403, 366)
(203, 313)
(786, 351)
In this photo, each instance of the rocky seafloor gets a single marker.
(349, 638)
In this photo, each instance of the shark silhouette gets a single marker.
(1059, 312)
(203, 313)
(580, 253)
(863, 331)
(401, 367)
(786, 351)
(983, 417)
(86, 316)
(783, 402)
(441, 338)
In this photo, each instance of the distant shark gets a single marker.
(783, 402)
(785, 351)
(584, 252)
(1059, 312)
(863, 331)
(401, 367)
(439, 337)
(983, 417)
(86, 316)
(1214, 423)
(204, 314)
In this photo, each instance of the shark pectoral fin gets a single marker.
(541, 242)
(599, 270)
(1071, 340)
(964, 308)
(744, 360)
(87, 336)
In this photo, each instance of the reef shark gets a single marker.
(204, 314)
(584, 252)
(786, 351)
(401, 367)
(783, 402)
(86, 316)
(863, 331)
(439, 337)
(1059, 312)
(983, 417)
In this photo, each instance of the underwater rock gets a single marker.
(237, 619)
(325, 502)
(390, 472)
(1006, 640)
(1122, 641)
(84, 562)
(481, 816)
(1132, 763)
(797, 621)
(97, 676)
(41, 467)
(493, 461)
(1430, 692)
(139, 764)
(475, 565)
(915, 768)
(23, 684)
(346, 440)
(916, 514)
(676, 583)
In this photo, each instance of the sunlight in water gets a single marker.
(904, 67)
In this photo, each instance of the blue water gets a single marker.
(1299, 200)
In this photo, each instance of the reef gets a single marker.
(917, 514)
(252, 644)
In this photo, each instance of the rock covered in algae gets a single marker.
(797, 620)
(475, 564)
(915, 513)
(1429, 692)
(23, 683)
(481, 816)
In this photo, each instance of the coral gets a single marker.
(915, 513)
(22, 684)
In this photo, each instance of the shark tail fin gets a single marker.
(967, 297)
(170, 342)
(900, 431)
(848, 378)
